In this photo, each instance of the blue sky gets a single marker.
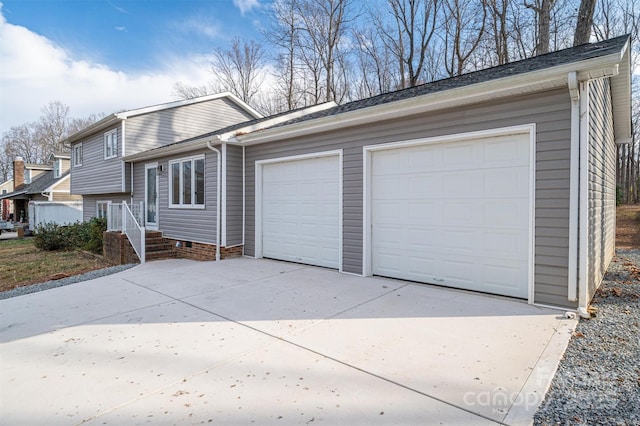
(108, 55)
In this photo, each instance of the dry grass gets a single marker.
(628, 226)
(23, 264)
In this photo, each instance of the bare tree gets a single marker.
(584, 22)
(499, 10)
(408, 35)
(283, 33)
(36, 141)
(375, 64)
(323, 27)
(543, 9)
(464, 27)
(185, 91)
(239, 68)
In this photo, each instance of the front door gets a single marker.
(151, 196)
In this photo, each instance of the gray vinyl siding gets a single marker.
(97, 175)
(196, 225)
(152, 130)
(550, 111)
(234, 195)
(602, 183)
(89, 203)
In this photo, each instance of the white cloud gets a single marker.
(123, 29)
(35, 71)
(246, 5)
(199, 26)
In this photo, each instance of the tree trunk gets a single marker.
(584, 22)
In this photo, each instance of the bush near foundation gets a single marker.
(79, 236)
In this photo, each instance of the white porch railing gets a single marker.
(134, 231)
(114, 217)
(120, 217)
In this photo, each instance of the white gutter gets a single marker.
(604, 66)
(574, 185)
(583, 275)
(212, 148)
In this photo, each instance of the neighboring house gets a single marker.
(98, 172)
(42, 184)
(499, 181)
(6, 206)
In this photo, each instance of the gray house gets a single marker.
(499, 181)
(99, 173)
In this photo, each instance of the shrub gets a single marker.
(81, 235)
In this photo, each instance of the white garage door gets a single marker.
(455, 214)
(300, 211)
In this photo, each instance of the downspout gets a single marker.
(583, 275)
(218, 172)
(574, 186)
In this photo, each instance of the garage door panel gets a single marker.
(300, 211)
(460, 219)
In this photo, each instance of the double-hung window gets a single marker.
(56, 168)
(77, 154)
(102, 208)
(111, 144)
(186, 182)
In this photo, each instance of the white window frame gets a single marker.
(27, 176)
(77, 155)
(56, 168)
(111, 144)
(181, 204)
(98, 210)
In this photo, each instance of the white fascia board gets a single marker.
(231, 136)
(175, 104)
(119, 116)
(56, 183)
(488, 90)
(108, 121)
(168, 150)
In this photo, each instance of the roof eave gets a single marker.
(604, 66)
(200, 142)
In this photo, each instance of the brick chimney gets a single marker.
(18, 173)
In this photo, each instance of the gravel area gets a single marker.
(34, 288)
(598, 380)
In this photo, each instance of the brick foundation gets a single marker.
(117, 249)
(201, 251)
(229, 252)
(197, 251)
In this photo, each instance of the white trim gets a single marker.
(193, 204)
(114, 118)
(223, 197)
(106, 142)
(196, 142)
(244, 198)
(154, 226)
(108, 202)
(74, 149)
(527, 129)
(124, 165)
(583, 270)
(532, 212)
(258, 195)
(574, 187)
(185, 102)
(552, 77)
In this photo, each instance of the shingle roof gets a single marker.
(38, 185)
(560, 57)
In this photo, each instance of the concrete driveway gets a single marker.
(247, 341)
